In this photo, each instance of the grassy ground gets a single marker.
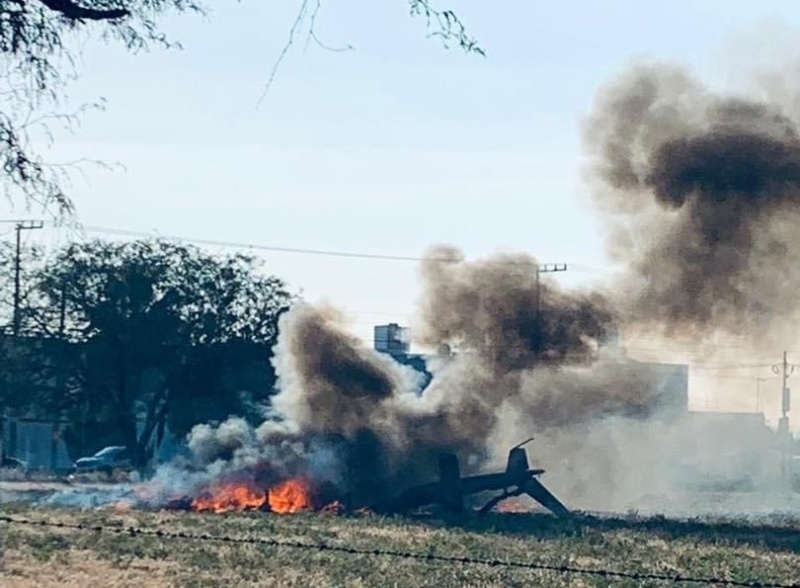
(43, 557)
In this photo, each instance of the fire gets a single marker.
(234, 496)
(515, 505)
(291, 496)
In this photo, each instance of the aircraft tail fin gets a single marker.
(517, 461)
(449, 470)
(449, 479)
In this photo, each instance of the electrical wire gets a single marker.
(298, 250)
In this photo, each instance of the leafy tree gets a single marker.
(36, 40)
(158, 333)
(22, 372)
(32, 259)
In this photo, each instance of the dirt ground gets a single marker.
(32, 491)
(196, 555)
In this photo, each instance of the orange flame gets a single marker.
(235, 496)
(291, 496)
(514, 505)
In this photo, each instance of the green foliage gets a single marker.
(47, 545)
(147, 331)
(187, 296)
(22, 371)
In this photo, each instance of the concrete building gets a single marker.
(393, 340)
(38, 442)
(670, 382)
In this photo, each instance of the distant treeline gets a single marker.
(107, 334)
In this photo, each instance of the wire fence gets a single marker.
(426, 557)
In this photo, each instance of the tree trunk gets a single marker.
(154, 421)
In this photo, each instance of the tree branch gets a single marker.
(69, 9)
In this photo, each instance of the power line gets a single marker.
(725, 367)
(388, 257)
(542, 269)
(785, 369)
(426, 557)
(296, 250)
(242, 245)
(324, 252)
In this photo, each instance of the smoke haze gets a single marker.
(495, 309)
(350, 416)
(700, 193)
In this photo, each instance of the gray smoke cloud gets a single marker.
(700, 192)
(497, 309)
(350, 416)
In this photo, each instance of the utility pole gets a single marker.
(544, 268)
(784, 434)
(758, 392)
(21, 225)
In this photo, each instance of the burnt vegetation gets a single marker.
(173, 338)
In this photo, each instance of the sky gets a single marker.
(388, 148)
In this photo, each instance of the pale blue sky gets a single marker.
(390, 148)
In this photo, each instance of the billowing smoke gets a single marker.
(698, 191)
(357, 419)
(701, 192)
(497, 309)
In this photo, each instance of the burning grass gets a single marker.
(288, 497)
(43, 557)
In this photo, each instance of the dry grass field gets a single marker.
(48, 557)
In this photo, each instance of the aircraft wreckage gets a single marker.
(450, 490)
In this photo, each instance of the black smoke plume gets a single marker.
(699, 192)
(500, 310)
(702, 192)
(348, 415)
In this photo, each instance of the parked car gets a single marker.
(107, 460)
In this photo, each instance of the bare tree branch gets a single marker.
(75, 12)
(450, 27)
(38, 60)
(295, 26)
